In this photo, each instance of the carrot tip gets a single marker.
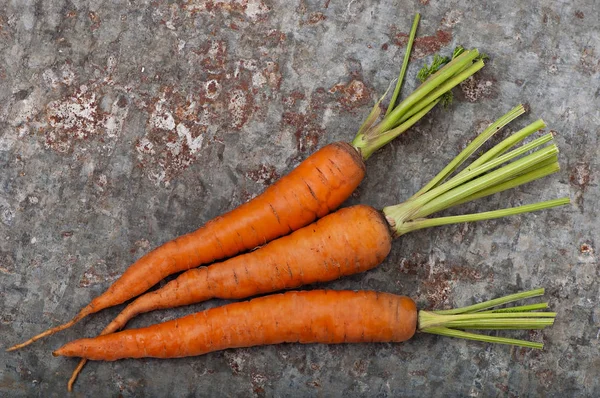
(21, 345)
(76, 372)
(49, 332)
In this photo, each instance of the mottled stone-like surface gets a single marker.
(127, 123)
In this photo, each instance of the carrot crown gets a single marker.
(454, 322)
(485, 176)
(437, 80)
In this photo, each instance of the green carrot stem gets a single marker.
(372, 116)
(506, 144)
(424, 98)
(472, 147)
(380, 141)
(492, 326)
(443, 89)
(520, 308)
(483, 338)
(481, 178)
(537, 173)
(411, 39)
(489, 215)
(493, 303)
(513, 323)
(553, 160)
(447, 322)
(431, 319)
(444, 194)
(430, 84)
(488, 180)
(492, 164)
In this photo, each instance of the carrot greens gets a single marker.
(500, 168)
(437, 80)
(454, 322)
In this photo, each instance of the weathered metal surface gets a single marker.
(125, 124)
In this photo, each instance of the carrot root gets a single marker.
(82, 314)
(76, 372)
(116, 325)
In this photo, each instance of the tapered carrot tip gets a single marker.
(42, 335)
(70, 349)
(86, 311)
(61, 352)
(76, 372)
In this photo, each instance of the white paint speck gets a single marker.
(145, 146)
(161, 118)
(158, 177)
(451, 18)
(213, 51)
(236, 106)
(33, 240)
(193, 143)
(114, 121)
(67, 75)
(255, 9)
(327, 114)
(258, 79)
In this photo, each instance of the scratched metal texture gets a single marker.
(125, 124)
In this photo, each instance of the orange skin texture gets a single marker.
(351, 240)
(317, 186)
(318, 316)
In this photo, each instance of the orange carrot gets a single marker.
(317, 186)
(318, 316)
(353, 239)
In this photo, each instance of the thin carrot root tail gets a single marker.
(76, 372)
(117, 324)
(82, 314)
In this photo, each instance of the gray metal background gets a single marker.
(126, 124)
